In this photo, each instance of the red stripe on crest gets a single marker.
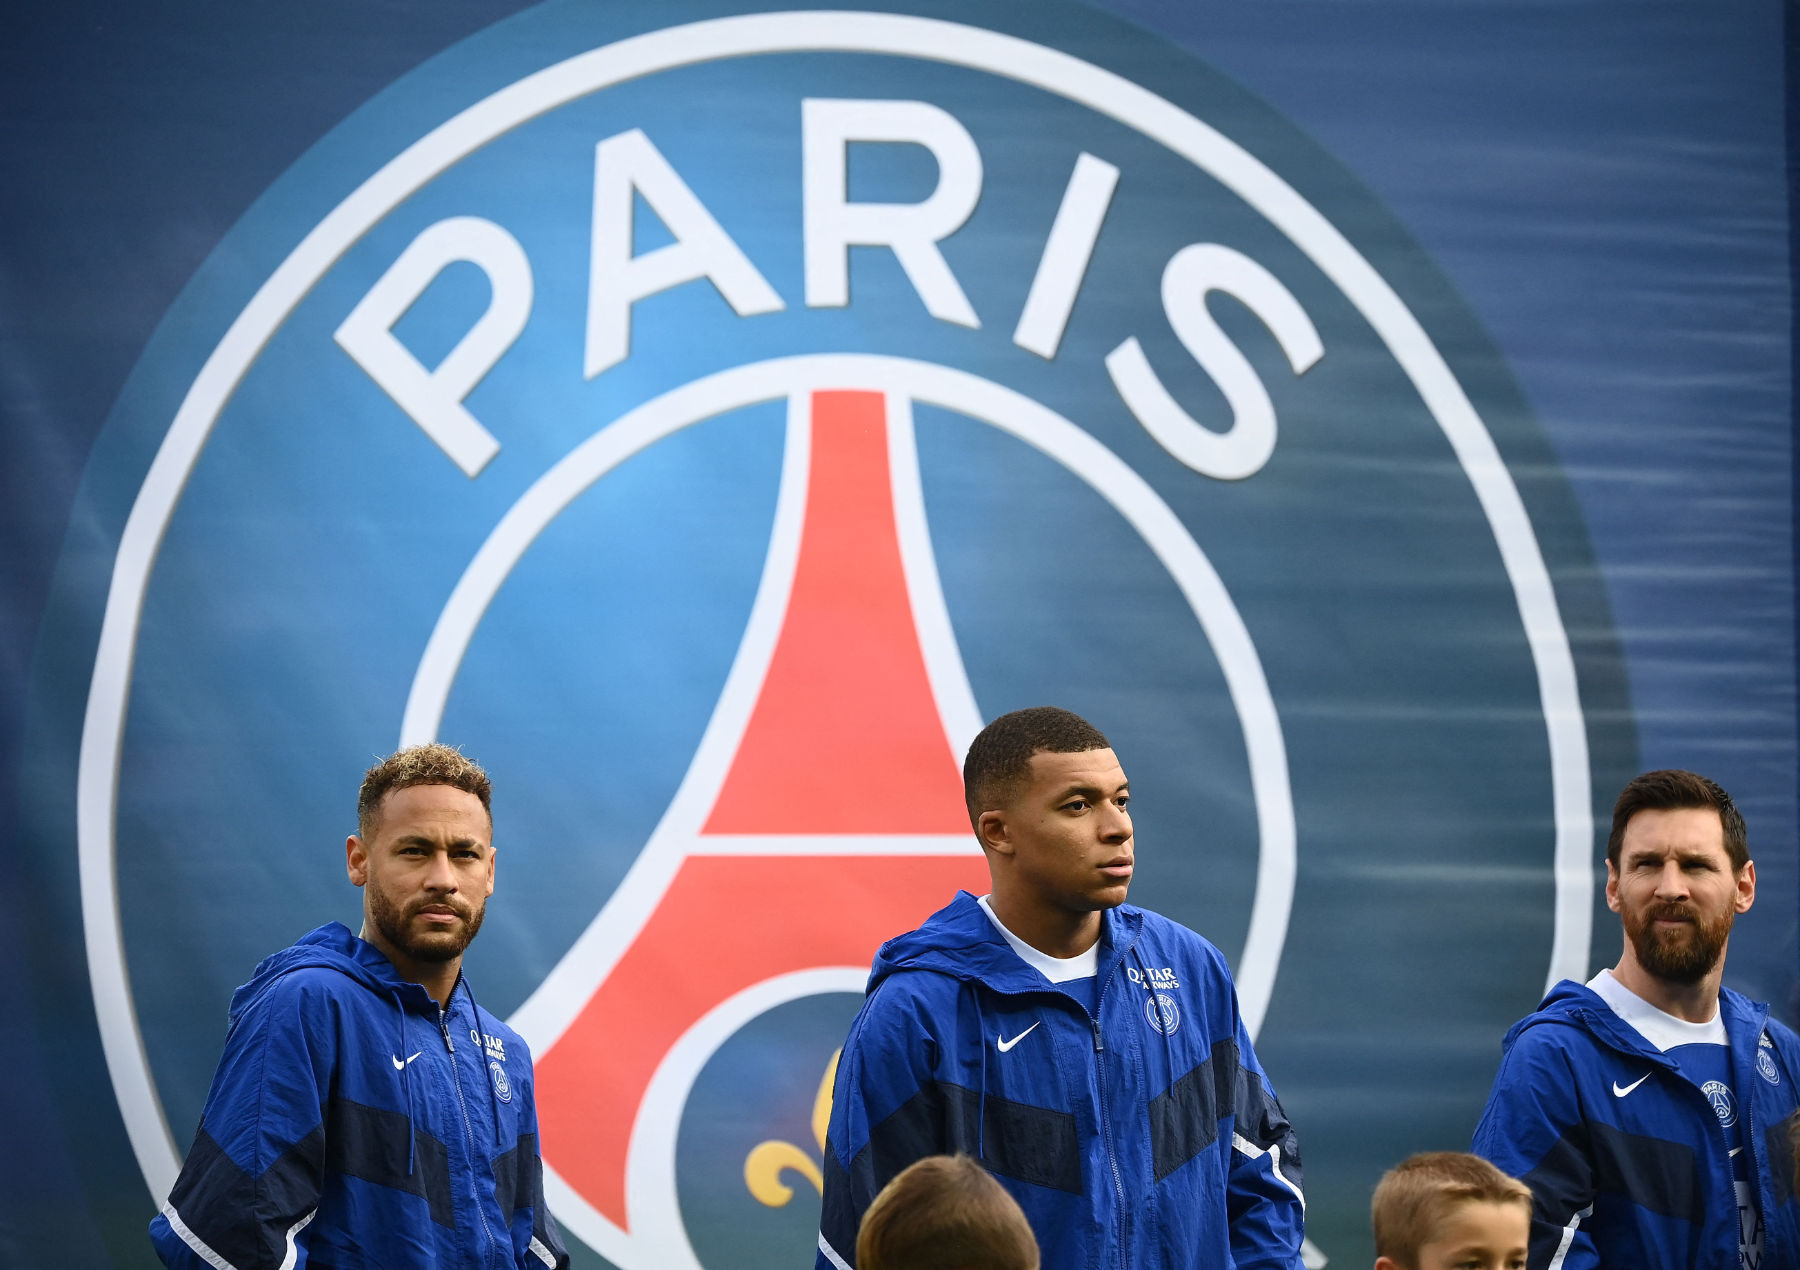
(846, 736)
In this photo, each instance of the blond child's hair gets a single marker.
(1414, 1196)
(945, 1212)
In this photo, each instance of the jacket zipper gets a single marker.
(1757, 1172)
(1753, 1143)
(1106, 1133)
(468, 1133)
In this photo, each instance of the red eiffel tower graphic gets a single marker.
(838, 822)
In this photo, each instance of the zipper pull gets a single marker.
(1099, 1045)
(444, 1027)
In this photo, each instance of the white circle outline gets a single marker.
(926, 39)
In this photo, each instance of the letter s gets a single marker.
(1243, 448)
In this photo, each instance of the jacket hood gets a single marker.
(1568, 1002)
(330, 947)
(1577, 1005)
(960, 941)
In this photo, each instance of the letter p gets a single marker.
(434, 398)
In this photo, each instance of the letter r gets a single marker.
(912, 230)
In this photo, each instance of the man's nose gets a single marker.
(440, 876)
(1115, 825)
(1672, 881)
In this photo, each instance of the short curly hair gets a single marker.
(430, 764)
(999, 759)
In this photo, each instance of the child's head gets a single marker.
(945, 1212)
(1448, 1208)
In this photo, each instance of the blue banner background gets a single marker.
(1603, 185)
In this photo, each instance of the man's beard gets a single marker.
(1685, 954)
(431, 946)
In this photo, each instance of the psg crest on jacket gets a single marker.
(709, 416)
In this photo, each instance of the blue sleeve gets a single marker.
(1532, 1129)
(546, 1246)
(1264, 1203)
(884, 1114)
(537, 1243)
(251, 1182)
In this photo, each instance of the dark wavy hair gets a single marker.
(1672, 790)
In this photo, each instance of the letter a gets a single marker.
(702, 249)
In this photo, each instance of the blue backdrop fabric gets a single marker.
(1394, 457)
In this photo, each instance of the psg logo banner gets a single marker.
(706, 417)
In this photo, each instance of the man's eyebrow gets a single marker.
(1092, 791)
(1639, 854)
(420, 840)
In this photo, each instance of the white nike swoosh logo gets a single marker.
(398, 1064)
(1620, 1093)
(1006, 1045)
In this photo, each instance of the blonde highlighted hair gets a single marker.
(429, 764)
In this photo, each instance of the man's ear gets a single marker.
(1612, 886)
(1746, 887)
(991, 828)
(356, 861)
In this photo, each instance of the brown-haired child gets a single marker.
(1446, 1209)
(945, 1212)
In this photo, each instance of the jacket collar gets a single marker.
(333, 947)
(1578, 1005)
(958, 940)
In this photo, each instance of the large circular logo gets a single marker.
(708, 424)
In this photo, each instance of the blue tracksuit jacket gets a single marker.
(1624, 1173)
(1145, 1138)
(352, 1124)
